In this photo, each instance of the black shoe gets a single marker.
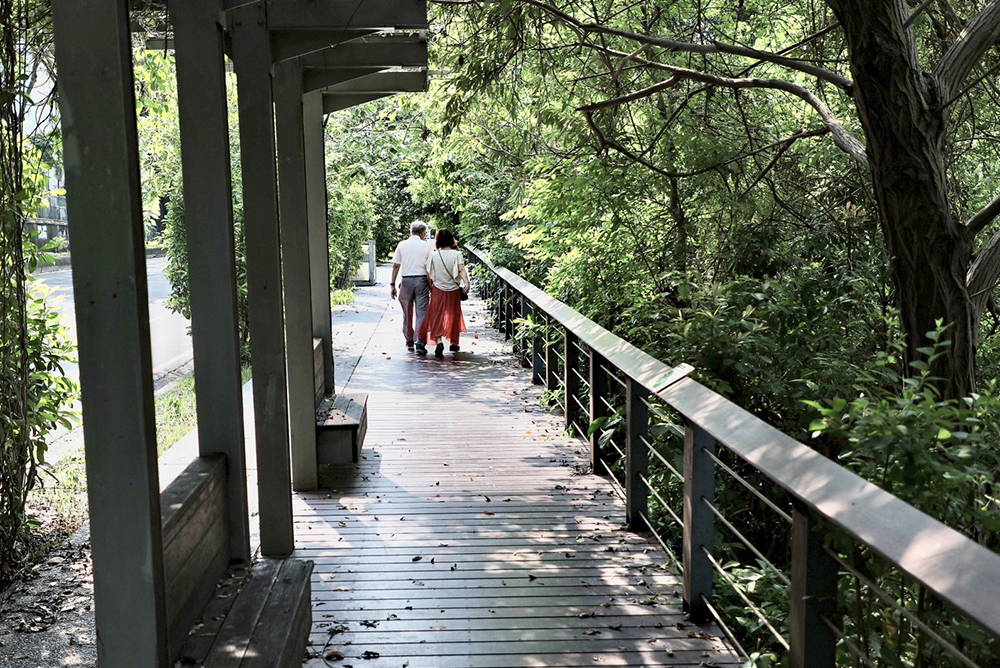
(421, 349)
(409, 345)
(439, 351)
(453, 349)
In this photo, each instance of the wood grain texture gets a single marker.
(471, 532)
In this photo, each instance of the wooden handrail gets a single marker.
(956, 569)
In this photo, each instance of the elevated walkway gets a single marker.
(472, 533)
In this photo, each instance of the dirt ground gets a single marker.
(47, 617)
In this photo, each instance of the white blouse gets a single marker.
(443, 268)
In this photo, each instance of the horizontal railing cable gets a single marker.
(663, 460)
(663, 502)
(753, 490)
(851, 646)
(609, 406)
(659, 539)
(614, 376)
(743, 539)
(725, 628)
(750, 605)
(893, 603)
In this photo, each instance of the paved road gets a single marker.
(170, 340)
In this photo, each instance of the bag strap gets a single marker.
(450, 272)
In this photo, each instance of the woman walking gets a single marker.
(446, 275)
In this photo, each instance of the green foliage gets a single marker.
(35, 395)
(350, 211)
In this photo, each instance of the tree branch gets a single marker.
(984, 272)
(714, 47)
(987, 215)
(844, 140)
(979, 35)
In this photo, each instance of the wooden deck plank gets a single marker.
(472, 534)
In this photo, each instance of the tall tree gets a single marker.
(907, 96)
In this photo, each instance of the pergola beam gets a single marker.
(341, 101)
(343, 14)
(392, 50)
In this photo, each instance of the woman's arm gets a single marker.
(463, 275)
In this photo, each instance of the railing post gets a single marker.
(526, 352)
(509, 312)
(537, 360)
(636, 455)
(699, 522)
(551, 358)
(814, 593)
(598, 409)
(571, 357)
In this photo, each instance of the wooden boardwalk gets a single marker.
(472, 535)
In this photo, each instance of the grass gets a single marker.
(341, 297)
(59, 501)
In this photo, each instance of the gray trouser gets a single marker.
(413, 291)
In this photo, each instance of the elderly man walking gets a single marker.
(409, 260)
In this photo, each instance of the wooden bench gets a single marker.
(341, 424)
(220, 616)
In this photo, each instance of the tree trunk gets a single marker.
(900, 109)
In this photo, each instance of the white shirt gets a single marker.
(411, 256)
(442, 268)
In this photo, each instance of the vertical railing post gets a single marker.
(551, 357)
(813, 594)
(509, 312)
(699, 522)
(636, 455)
(525, 333)
(571, 357)
(598, 409)
(537, 343)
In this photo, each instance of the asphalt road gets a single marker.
(169, 337)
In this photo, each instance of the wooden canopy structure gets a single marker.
(295, 60)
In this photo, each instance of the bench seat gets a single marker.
(341, 424)
(258, 618)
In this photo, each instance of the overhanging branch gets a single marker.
(686, 47)
(979, 35)
(988, 214)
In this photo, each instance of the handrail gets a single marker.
(954, 568)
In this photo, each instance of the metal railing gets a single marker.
(615, 396)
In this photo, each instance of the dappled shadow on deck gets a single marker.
(472, 534)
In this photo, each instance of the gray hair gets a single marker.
(418, 227)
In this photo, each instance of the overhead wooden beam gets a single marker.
(208, 217)
(252, 61)
(354, 14)
(295, 43)
(382, 82)
(295, 259)
(318, 80)
(101, 157)
(338, 102)
(405, 50)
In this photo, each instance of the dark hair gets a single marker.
(444, 239)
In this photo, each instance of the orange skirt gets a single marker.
(444, 317)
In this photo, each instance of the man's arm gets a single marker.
(395, 273)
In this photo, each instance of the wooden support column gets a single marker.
(252, 61)
(598, 391)
(319, 242)
(295, 257)
(636, 455)
(813, 594)
(208, 216)
(699, 522)
(571, 355)
(97, 105)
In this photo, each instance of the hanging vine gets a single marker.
(34, 393)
